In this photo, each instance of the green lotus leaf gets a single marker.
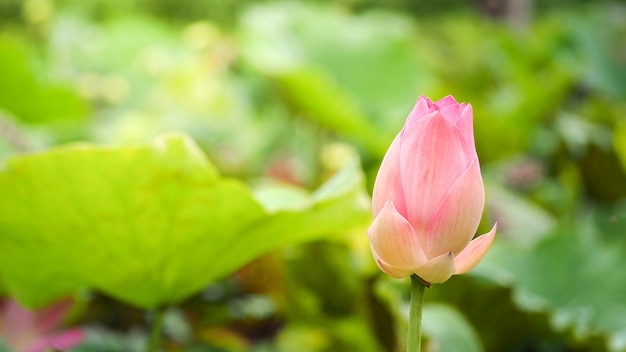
(573, 274)
(448, 330)
(149, 224)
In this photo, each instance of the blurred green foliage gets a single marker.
(281, 96)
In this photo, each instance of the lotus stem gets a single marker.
(414, 336)
(156, 325)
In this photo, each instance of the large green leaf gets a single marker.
(148, 224)
(574, 275)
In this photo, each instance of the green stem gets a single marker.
(154, 343)
(414, 338)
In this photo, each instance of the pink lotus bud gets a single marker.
(429, 196)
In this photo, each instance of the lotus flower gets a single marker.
(429, 196)
(27, 330)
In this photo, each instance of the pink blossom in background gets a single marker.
(26, 330)
(429, 196)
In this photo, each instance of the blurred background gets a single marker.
(285, 90)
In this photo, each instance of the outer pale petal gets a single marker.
(455, 222)
(433, 157)
(474, 252)
(391, 270)
(388, 186)
(438, 269)
(394, 241)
